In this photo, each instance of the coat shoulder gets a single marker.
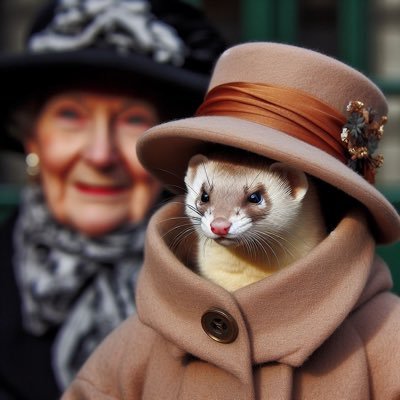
(121, 358)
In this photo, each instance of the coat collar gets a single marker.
(283, 318)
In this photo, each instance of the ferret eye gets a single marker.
(205, 198)
(255, 198)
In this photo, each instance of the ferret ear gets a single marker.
(297, 179)
(193, 164)
(197, 160)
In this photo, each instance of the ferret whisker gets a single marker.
(169, 172)
(247, 245)
(175, 201)
(192, 189)
(181, 236)
(205, 245)
(281, 240)
(261, 239)
(178, 227)
(184, 217)
(186, 230)
(270, 256)
(276, 239)
(252, 182)
(289, 247)
(297, 237)
(252, 246)
(254, 242)
(275, 236)
(260, 246)
(180, 187)
(161, 202)
(194, 209)
(207, 177)
(243, 242)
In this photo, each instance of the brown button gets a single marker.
(219, 325)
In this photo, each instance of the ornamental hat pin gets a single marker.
(292, 105)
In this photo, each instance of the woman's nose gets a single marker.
(101, 149)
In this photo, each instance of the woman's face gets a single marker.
(91, 176)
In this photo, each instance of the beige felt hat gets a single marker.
(289, 104)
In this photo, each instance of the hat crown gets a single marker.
(323, 77)
(168, 32)
(123, 25)
(273, 100)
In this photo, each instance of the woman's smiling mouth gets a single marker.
(100, 190)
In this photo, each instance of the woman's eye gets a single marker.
(255, 198)
(138, 119)
(69, 114)
(205, 198)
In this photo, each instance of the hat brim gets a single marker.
(32, 65)
(21, 75)
(166, 149)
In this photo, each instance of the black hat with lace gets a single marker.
(157, 48)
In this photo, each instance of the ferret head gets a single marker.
(237, 201)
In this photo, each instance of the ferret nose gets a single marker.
(220, 226)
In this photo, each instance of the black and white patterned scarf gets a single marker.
(83, 286)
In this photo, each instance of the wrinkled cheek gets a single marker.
(55, 163)
(144, 175)
(53, 176)
(144, 195)
(54, 169)
(54, 192)
(141, 174)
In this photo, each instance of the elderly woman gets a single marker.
(94, 77)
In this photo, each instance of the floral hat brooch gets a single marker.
(362, 133)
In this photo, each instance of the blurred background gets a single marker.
(362, 33)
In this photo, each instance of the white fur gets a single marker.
(293, 226)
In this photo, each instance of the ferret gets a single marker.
(252, 216)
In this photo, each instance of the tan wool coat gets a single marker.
(325, 327)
